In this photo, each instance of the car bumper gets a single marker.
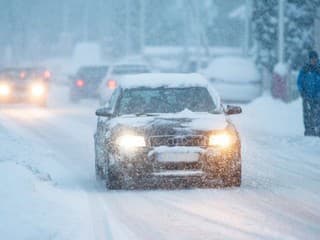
(175, 166)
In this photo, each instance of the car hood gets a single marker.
(183, 123)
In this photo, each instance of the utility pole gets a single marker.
(247, 30)
(85, 21)
(142, 25)
(281, 31)
(198, 27)
(127, 28)
(195, 20)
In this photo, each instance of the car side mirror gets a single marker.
(230, 110)
(104, 112)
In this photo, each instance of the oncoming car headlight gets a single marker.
(37, 90)
(130, 142)
(223, 139)
(4, 90)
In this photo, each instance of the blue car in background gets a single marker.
(85, 83)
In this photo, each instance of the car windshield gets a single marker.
(165, 100)
(93, 72)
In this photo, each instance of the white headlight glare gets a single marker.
(37, 90)
(223, 140)
(131, 141)
(4, 90)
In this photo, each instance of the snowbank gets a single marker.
(281, 69)
(273, 117)
(33, 203)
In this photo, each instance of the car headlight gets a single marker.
(37, 90)
(223, 139)
(131, 142)
(4, 90)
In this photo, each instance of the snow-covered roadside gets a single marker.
(276, 154)
(271, 117)
(37, 200)
(278, 198)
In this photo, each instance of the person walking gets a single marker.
(309, 87)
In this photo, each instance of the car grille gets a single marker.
(171, 140)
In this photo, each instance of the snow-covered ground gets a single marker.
(48, 189)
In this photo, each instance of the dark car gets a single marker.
(166, 130)
(24, 85)
(85, 83)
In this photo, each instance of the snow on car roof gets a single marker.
(170, 80)
(155, 80)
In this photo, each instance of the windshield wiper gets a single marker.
(146, 114)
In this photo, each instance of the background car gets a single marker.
(194, 64)
(166, 130)
(115, 74)
(25, 85)
(86, 81)
(242, 84)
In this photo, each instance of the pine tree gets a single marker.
(264, 20)
(299, 30)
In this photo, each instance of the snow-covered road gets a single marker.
(48, 189)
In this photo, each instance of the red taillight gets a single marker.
(47, 74)
(22, 75)
(80, 83)
(112, 84)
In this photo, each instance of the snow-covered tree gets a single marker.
(299, 30)
(265, 33)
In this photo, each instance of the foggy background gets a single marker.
(38, 29)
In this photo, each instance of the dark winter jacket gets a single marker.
(309, 81)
